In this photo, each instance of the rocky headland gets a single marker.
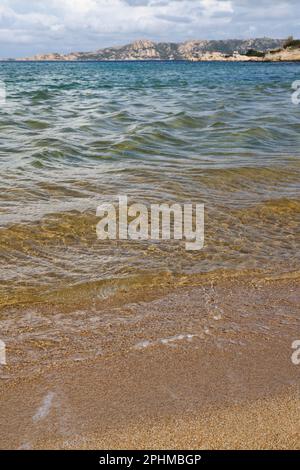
(261, 49)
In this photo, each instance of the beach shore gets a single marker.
(199, 367)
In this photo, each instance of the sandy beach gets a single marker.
(200, 367)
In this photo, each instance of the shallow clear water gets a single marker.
(72, 135)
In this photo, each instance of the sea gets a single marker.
(75, 135)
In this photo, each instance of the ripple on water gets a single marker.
(73, 134)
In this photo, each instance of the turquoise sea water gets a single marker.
(74, 134)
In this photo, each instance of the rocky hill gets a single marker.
(286, 54)
(190, 50)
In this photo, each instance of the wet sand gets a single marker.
(200, 367)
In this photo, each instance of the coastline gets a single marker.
(251, 50)
(248, 60)
(234, 384)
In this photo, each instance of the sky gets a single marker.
(29, 27)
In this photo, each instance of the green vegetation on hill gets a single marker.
(254, 53)
(291, 43)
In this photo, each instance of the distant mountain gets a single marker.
(190, 50)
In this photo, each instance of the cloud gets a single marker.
(65, 25)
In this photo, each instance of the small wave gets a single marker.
(165, 341)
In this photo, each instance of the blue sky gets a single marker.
(28, 27)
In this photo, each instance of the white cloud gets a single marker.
(64, 25)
